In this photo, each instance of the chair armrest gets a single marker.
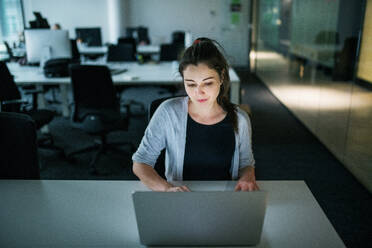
(16, 101)
(29, 92)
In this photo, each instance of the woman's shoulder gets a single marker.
(174, 103)
(243, 117)
(241, 113)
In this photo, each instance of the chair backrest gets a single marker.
(178, 37)
(128, 40)
(160, 162)
(170, 52)
(18, 147)
(8, 49)
(92, 88)
(121, 53)
(74, 50)
(8, 89)
(143, 35)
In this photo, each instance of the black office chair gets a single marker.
(178, 37)
(121, 53)
(128, 40)
(143, 36)
(18, 148)
(96, 109)
(160, 162)
(11, 101)
(170, 52)
(54, 89)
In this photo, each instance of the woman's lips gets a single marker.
(202, 100)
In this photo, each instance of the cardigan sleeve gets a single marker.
(153, 141)
(245, 141)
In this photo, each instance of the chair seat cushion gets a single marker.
(101, 121)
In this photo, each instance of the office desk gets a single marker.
(100, 214)
(164, 73)
(102, 50)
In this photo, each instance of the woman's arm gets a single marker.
(247, 180)
(152, 180)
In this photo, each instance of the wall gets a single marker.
(209, 18)
(71, 14)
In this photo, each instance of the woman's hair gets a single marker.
(206, 51)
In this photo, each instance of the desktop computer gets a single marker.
(89, 36)
(45, 44)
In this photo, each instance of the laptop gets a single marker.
(208, 218)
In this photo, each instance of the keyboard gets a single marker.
(116, 71)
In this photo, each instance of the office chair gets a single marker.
(18, 148)
(160, 162)
(121, 53)
(143, 36)
(96, 109)
(178, 37)
(170, 52)
(11, 101)
(54, 89)
(128, 40)
(12, 57)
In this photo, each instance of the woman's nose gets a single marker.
(199, 90)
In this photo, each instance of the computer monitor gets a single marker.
(89, 36)
(40, 41)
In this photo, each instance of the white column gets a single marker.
(116, 19)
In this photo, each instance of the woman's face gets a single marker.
(202, 84)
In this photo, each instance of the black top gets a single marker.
(209, 150)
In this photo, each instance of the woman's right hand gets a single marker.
(182, 188)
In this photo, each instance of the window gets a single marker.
(11, 20)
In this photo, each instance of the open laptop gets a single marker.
(213, 218)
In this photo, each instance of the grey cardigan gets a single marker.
(167, 129)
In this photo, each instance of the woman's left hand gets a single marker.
(247, 181)
(246, 186)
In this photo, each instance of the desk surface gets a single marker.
(100, 50)
(159, 73)
(100, 214)
(164, 73)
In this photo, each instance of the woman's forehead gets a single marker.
(200, 69)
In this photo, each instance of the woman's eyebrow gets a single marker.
(208, 78)
(186, 79)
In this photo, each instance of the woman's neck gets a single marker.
(208, 114)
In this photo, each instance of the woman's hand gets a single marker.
(246, 186)
(182, 188)
(247, 181)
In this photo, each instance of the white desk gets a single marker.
(102, 50)
(100, 214)
(164, 73)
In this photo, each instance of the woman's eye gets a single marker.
(209, 83)
(191, 85)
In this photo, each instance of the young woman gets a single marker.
(206, 136)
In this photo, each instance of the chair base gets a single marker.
(102, 147)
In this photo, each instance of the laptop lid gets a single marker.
(200, 218)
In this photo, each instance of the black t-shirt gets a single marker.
(209, 150)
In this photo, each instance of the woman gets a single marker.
(206, 137)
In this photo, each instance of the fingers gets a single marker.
(179, 189)
(185, 188)
(246, 186)
(237, 187)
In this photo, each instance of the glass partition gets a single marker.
(307, 53)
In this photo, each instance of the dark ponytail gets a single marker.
(205, 50)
